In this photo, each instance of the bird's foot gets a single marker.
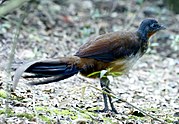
(114, 111)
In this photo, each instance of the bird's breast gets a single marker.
(125, 64)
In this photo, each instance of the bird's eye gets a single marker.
(154, 25)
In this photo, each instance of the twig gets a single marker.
(11, 5)
(11, 58)
(119, 99)
(82, 111)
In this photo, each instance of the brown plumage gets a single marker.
(109, 51)
(117, 51)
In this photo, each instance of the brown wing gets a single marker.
(110, 46)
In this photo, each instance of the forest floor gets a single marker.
(53, 29)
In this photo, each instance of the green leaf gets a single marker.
(94, 73)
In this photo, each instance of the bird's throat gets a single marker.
(143, 35)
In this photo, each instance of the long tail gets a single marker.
(51, 70)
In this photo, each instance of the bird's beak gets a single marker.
(162, 27)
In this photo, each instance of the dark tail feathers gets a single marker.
(52, 71)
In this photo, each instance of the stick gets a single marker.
(119, 99)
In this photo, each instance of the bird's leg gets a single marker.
(105, 86)
(103, 83)
(110, 101)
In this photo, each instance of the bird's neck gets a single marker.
(142, 35)
(143, 38)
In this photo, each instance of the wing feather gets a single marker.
(110, 46)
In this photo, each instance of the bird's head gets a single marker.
(148, 27)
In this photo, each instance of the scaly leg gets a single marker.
(105, 86)
(110, 101)
(103, 83)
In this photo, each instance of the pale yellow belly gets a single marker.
(123, 65)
